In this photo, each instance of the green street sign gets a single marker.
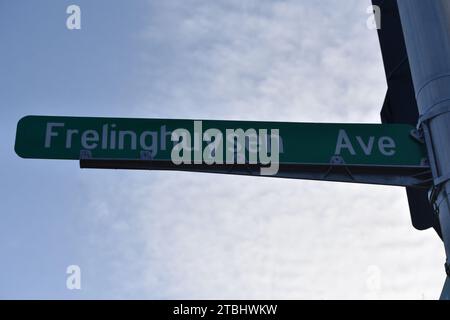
(48, 137)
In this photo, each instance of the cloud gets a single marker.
(184, 235)
(249, 59)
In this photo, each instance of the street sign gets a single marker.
(48, 137)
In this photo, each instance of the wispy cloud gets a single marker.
(278, 60)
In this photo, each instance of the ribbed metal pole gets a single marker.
(426, 27)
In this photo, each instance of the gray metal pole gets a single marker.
(426, 27)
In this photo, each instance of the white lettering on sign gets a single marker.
(386, 145)
(49, 133)
(132, 135)
(89, 139)
(343, 142)
(148, 135)
(366, 148)
(107, 139)
(69, 136)
(241, 146)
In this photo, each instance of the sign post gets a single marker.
(426, 26)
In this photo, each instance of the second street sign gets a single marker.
(48, 137)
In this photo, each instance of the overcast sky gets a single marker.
(159, 235)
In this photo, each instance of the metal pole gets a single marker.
(426, 27)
